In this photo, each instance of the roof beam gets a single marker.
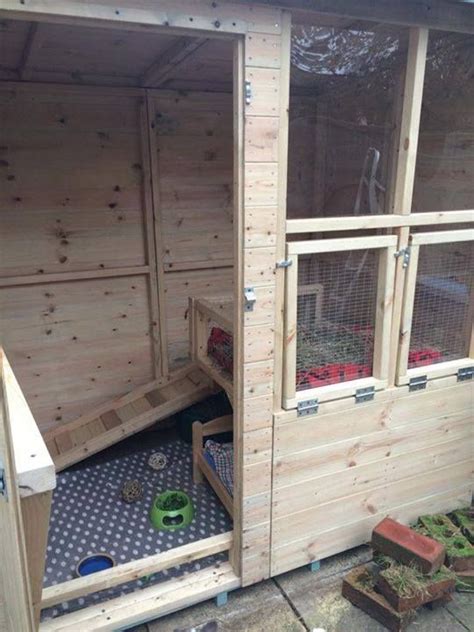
(33, 43)
(170, 60)
(435, 14)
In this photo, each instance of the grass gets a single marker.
(327, 344)
(172, 502)
(407, 581)
(440, 528)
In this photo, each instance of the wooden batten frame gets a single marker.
(155, 225)
(369, 222)
(383, 321)
(442, 369)
(157, 324)
(402, 195)
(135, 570)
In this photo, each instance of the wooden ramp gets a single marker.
(126, 415)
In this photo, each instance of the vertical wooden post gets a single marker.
(235, 554)
(157, 320)
(407, 312)
(383, 314)
(36, 511)
(157, 232)
(290, 341)
(282, 200)
(405, 170)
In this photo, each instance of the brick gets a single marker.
(467, 579)
(432, 591)
(407, 546)
(357, 590)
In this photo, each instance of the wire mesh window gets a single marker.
(443, 305)
(220, 349)
(336, 306)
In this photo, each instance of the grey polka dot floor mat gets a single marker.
(88, 515)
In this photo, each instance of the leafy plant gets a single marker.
(171, 502)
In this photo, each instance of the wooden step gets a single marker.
(123, 416)
(148, 603)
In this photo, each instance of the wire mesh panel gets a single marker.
(443, 304)
(336, 309)
(220, 347)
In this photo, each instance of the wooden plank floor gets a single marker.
(126, 415)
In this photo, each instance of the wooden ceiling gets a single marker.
(31, 51)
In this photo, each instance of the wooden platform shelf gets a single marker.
(203, 313)
(124, 416)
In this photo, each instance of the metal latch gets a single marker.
(308, 407)
(405, 253)
(417, 383)
(466, 373)
(248, 93)
(250, 299)
(284, 263)
(364, 394)
(3, 485)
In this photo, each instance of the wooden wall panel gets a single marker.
(71, 182)
(192, 139)
(76, 344)
(179, 286)
(392, 457)
(71, 204)
(194, 145)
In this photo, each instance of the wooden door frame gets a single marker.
(386, 244)
(443, 369)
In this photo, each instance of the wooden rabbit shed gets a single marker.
(236, 256)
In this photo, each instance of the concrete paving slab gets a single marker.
(259, 608)
(462, 608)
(325, 610)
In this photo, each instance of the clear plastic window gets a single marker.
(444, 176)
(346, 91)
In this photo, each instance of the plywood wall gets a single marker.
(193, 142)
(79, 319)
(71, 211)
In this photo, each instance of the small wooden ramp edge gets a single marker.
(126, 415)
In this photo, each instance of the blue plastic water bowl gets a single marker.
(94, 563)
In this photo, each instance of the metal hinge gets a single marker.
(250, 299)
(417, 383)
(3, 485)
(364, 394)
(248, 93)
(466, 373)
(405, 253)
(284, 263)
(308, 407)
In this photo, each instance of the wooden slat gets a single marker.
(148, 603)
(110, 419)
(363, 222)
(334, 245)
(353, 533)
(216, 483)
(135, 570)
(314, 520)
(441, 237)
(64, 442)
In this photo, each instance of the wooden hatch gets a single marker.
(126, 415)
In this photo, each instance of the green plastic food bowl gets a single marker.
(171, 510)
